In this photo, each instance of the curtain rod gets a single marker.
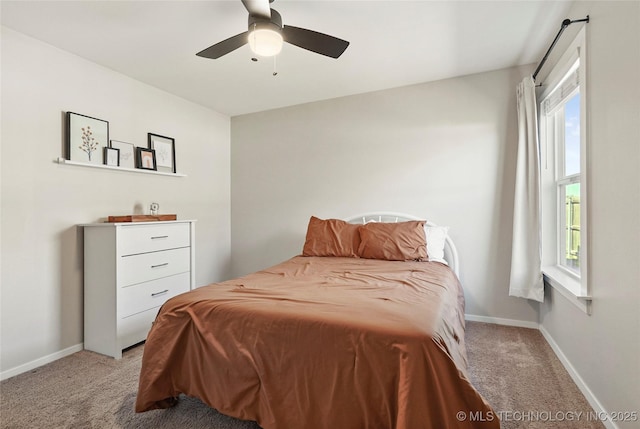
(565, 24)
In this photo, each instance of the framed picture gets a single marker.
(127, 153)
(146, 158)
(165, 148)
(86, 138)
(112, 156)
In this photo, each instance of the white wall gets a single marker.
(42, 201)
(604, 348)
(442, 150)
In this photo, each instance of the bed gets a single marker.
(363, 330)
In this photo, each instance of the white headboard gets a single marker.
(450, 251)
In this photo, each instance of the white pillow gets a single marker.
(436, 236)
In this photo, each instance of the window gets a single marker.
(565, 122)
(564, 187)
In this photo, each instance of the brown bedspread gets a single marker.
(320, 343)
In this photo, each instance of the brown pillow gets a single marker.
(402, 241)
(331, 237)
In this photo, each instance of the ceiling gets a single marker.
(393, 43)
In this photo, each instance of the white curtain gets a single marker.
(526, 262)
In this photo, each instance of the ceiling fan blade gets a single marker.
(224, 47)
(319, 43)
(258, 8)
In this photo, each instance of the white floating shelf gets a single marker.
(111, 167)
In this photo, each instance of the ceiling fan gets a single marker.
(266, 35)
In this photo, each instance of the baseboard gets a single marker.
(501, 321)
(40, 361)
(588, 394)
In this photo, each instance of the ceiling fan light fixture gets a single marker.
(265, 42)
(265, 34)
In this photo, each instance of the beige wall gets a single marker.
(604, 348)
(442, 150)
(41, 294)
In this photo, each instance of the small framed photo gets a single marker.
(112, 156)
(146, 158)
(127, 153)
(165, 148)
(86, 137)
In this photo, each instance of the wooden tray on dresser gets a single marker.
(142, 218)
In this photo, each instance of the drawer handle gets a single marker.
(159, 236)
(160, 293)
(160, 265)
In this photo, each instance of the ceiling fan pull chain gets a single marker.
(252, 34)
(275, 71)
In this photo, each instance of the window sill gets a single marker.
(568, 286)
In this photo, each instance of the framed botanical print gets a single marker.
(165, 148)
(86, 138)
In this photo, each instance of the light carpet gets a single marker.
(513, 368)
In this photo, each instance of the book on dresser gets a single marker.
(130, 270)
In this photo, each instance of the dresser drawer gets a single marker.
(134, 329)
(155, 265)
(136, 239)
(144, 296)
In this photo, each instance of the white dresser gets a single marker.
(130, 270)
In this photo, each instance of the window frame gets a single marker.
(575, 286)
